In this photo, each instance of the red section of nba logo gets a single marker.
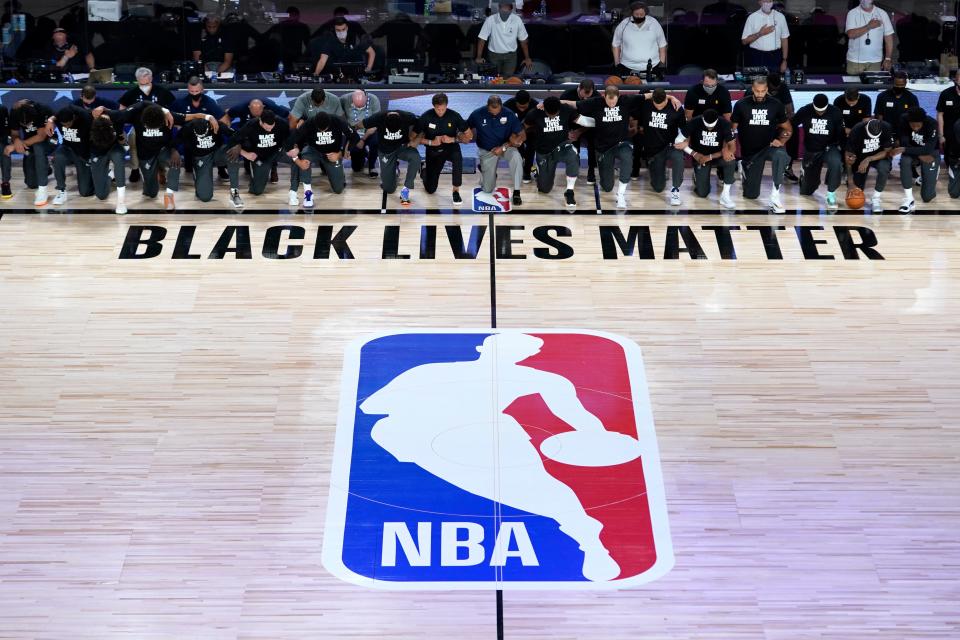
(614, 495)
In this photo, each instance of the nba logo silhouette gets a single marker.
(497, 202)
(500, 459)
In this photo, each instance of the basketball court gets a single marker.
(179, 394)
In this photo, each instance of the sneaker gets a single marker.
(832, 201)
(675, 200)
(121, 208)
(456, 197)
(293, 200)
(591, 178)
(790, 176)
(5, 191)
(527, 179)
(274, 178)
(60, 199)
(372, 174)
(621, 202)
(727, 202)
(235, 198)
(918, 181)
(517, 200)
(40, 198)
(222, 173)
(740, 172)
(877, 204)
(775, 205)
(405, 196)
(909, 205)
(134, 175)
(168, 202)
(568, 197)
(308, 199)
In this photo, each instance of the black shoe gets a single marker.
(517, 200)
(568, 196)
(790, 176)
(372, 174)
(222, 173)
(591, 178)
(5, 191)
(134, 175)
(526, 178)
(456, 197)
(274, 178)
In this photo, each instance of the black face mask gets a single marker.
(639, 21)
(898, 91)
(197, 97)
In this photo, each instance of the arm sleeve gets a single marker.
(522, 31)
(784, 29)
(618, 34)
(484, 30)
(661, 36)
(849, 25)
(887, 24)
(941, 101)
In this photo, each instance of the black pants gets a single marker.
(203, 173)
(527, 152)
(587, 139)
(64, 156)
(150, 168)
(35, 165)
(621, 154)
(657, 168)
(547, 165)
(954, 187)
(368, 155)
(100, 170)
(753, 169)
(701, 175)
(812, 166)
(333, 169)
(436, 158)
(928, 175)
(883, 172)
(261, 173)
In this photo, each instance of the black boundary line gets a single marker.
(286, 213)
(596, 197)
(492, 239)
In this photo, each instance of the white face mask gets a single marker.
(342, 36)
(866, 4)
(766, 7)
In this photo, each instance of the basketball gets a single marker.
(633, 80)
(514, 80)
(855, 198)
(613, 80)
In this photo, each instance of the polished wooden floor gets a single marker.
(166, 428)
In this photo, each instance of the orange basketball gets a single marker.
(514, 80)
(613, 80)
(855, 198)
(633, 80)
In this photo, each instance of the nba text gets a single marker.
(513, 242)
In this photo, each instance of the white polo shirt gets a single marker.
(758, 20)
(857, 49)
(639, 43)
(502, 36)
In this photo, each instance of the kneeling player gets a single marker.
(761, 124)
(869, 145)
(106, 150)
(660, 122)
(29, 137)
(953, 159)
(443, 129)
(823, 134)
(710, 143)
(398, 133)
(262, 141)
(549, 131)
(320, 141)
(204, 142)
(918, 142)
(74, 124)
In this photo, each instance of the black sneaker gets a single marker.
(222, 173)
(5, 191)
(568, 196)
(274, 178)
(134, 175)
(790, 176)
(456, 197)
(517, 200)
(372, 174)
(526, 178)
(591, 178)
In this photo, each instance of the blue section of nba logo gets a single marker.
(383, 489)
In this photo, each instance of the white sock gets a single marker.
(121, 192)
(876, 194)
(726, 190)
(908, 193)
(169, 191)
(775, 192)
(621, 188)
(307, 187)
(571, 181)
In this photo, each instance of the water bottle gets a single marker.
(280, 71)
(788, 77)
(213, 76)
(649, 69)
(603, 9)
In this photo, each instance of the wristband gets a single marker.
(688, 151)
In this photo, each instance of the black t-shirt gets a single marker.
(856, 113)
(354, 49)
(30, 128)
(116, 119)
(76, 64)
(214, 47)
(698, 101)
(949, 105)
(253, 137)
(512, 105)
(890, 107)
(149, 141)
(241, 111)
(862, 145)
(549, 132)
(4, 123)
(956, 141)
(660, 128)
(97, 102)
(199, 140)
(158, 94)
(390, 141)
(708, 141)
(331, 140)
(433, 125)
(919, 143)
(573, 95)
(820, 130)
(612, 123)
(757, 123)
(76, 137)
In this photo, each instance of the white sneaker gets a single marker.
(775, 205)
(675, 200)
(877, 204)
(121, 208)
(60, 198)
(909, 205)
(727, 202)
(294, 199)
(40, 198)
(621, 202)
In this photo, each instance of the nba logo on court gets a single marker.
(496, 202)
(496, 459)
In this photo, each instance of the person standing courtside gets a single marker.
(521, 104)
(766, 38)
(443, 130)
(660, 122)
(213, 47)
(398, 134)
(639, 42)
(823, 136)
(869, 39)
(498, 133)
(499, 35)
(710, 143)
(357, 106)
(918, 146)
(763, 129)
(549, 132)
(6, 165)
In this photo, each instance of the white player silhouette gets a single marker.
(448, 419)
